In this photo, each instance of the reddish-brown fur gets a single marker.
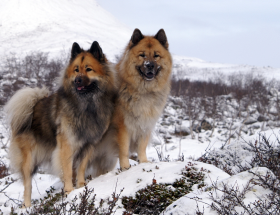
(144, 72)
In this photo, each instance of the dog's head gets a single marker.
(85, 70)
(149, 52)
(146, 60)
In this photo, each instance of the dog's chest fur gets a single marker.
(141, 110)
(88, 120)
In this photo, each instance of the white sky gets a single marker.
(239, 31)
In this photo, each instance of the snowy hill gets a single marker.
(197, 69)
(52, 26)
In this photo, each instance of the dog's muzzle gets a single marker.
(148, 70)
(83, 85)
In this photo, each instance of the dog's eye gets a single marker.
(76, 70)
(88, 69)
(156, 55)
(142, 55)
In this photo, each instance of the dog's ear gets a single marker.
(96, 51)
(136, 36)
(161, 37)
(76, 49)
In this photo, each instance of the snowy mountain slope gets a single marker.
(52, 26)
(197, 69)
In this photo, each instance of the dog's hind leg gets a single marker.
(26, 171)
(21, 157)
(65, 159)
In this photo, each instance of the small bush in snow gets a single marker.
(55, 204)
(263, 154)
(3, 170)
(156, 197)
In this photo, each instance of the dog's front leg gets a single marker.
(66, 161)
(82, 169)
(141, 150)
(123, 143)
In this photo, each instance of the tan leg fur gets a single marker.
(81, 170)
(26, 173)
(143, 143)
(123, 141)
(66, 161)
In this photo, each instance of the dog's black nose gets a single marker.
(150, 65)
(78, 80)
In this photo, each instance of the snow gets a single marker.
(131, 180)
(200, 198)
(40, 183)
(197, 69)
(52, 26)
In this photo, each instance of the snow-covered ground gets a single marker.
(169, 145)
(52, 26)
(141, 175)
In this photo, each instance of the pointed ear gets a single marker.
(161, 37)
(76, 49)
(136, 36)
(96, 51)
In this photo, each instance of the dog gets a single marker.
(144, 73)
(63, 128)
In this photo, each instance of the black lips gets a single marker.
(148, 74)
(91, 88)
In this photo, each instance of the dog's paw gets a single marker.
(68, 191)
(26, 205)
(124, 164)
(125, 168)
(144, 161)
(81, 184)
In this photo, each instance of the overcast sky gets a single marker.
(236, 31)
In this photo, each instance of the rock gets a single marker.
(255, 126)
(179, 121)
(167, 137)
(262, 118)
(171, 120)
(162, 131)
(182, 130)
(156, 142)
(205, 125)
(197, 128)
(245, 130)
(273, 124)
(165, 123)
(273, 92)
(250, 121)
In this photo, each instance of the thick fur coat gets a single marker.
(144, 73)
(63, 128)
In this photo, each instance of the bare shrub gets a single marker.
(156, 197)
(3, 170)
(35, 70)
(55, 204)
(264, 154)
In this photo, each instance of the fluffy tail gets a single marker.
(19, 108)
